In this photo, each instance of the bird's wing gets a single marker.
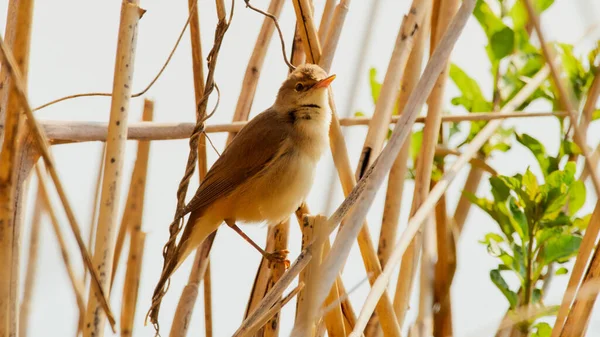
(250, 151)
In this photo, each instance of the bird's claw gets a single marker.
(279, 256)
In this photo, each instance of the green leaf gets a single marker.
(560, 220)
(537, 149)
(561, 271)
(501, 37)
(518, 220)
(500, 189)
(560, 248)
(518, 13)
(415, 144)
(498, 280)
(472, 98)
(536, 296)
(531, 184)
(577, 196)
(595, 115)
(582, 223)
(375, 85)
(502, 42)
(542, 329)
(569, 148)
(359, 114)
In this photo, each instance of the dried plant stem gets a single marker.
(441, 186)
(189, 294)
(464, 205)
(262, 320)
(445, 268)
(564, 96)
(132, 225)
(587, 249)
(95, 205)
(132, 276)
(32, 264)
(75, 282)
(43, 146)
(425, 164)
(18, 31)
(340, 314)
(326, 19)
(113, 162)
(590, 105)
(305, 324)
(60, 132)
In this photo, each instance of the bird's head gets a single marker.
(305, 87)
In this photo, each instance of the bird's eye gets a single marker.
(299, 87)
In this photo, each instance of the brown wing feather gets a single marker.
(242, 159)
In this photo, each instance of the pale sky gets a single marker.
(73, 51)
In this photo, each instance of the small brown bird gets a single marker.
(266, 172)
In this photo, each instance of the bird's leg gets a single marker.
(277, 256)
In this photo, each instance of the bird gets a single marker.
(265, 173)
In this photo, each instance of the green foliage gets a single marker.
(538, 227)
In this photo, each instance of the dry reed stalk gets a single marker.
(62, 132)
(365, 190)
(432, 250)
(75, 282)
(18, 31)
(32, 265)
(441, 186)
(326, 19)
(189, 294)
(445, 268)
(393, 198)
(306, 310)
(95, 206)
(578, 318)
(335, 318)
(590, 105)
(464, 205)
(308, 32)
(262, 320)
(412, 24)
(565, 97)
(113, 161)
(280, 238)
(38, 137)
(587, 249)
(132, 275)
(132, 225)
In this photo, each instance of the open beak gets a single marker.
(324, 83)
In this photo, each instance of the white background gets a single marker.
(73, 51)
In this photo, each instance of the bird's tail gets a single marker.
(194, 233)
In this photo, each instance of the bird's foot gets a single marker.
(279, 256)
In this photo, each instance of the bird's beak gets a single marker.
(324, 83)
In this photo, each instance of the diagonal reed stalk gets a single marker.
(18, 32)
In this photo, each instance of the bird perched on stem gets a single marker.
(264, 174)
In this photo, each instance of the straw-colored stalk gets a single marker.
(76, 283)
(464, 205)
(32, 264)
(307, 315)
(18, 31)
(430, 276)
(587, 249)
(439, 189)
(132, 276)
(37, 137)
(279, 236)
(95, 206)
(326, 19)
(565, 96)
(187, 301)
(61, 132)
(444, 269)
(578, 318)
(590, 104)
(132, 224)
(113, 162)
